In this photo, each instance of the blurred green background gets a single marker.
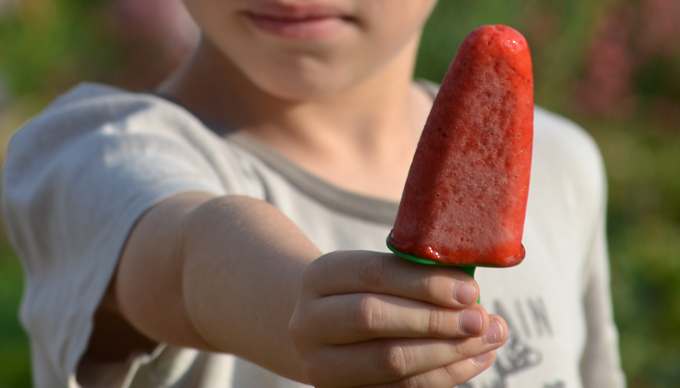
(612, 66)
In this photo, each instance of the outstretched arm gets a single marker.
(228, 273)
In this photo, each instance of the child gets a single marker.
(227, 229)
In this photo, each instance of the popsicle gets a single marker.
(465, 198)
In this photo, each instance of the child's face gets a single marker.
(303, 49)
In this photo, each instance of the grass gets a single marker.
(14, 354)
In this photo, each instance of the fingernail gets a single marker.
(495, 333)
(482, 358)
(465, 293)
(471, 322)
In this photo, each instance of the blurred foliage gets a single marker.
(557, 33)
(47, 45)
(644, 232)
(14, 353)
(611, 65)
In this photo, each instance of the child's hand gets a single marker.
(365, 318)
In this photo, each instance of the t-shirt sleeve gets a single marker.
(600, 364)
(75, 181)
(572, 184)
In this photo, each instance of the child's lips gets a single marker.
(305, 21)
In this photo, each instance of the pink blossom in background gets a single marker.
(628, 39)
(606, 87)
(659, 27)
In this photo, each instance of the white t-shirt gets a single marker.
(78, 176)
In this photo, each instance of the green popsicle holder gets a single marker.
(468, 269)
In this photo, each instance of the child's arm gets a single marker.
(227, 273)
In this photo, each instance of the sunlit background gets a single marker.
(612, 66)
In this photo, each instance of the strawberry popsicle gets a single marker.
(465, 198)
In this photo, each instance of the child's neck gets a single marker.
(361, 139)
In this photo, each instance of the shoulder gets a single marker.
(568, 182)
(89, 106)
(94, 121)
(96, 133)
(564, 153)
(556, 135)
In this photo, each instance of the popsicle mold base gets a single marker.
(468, 269)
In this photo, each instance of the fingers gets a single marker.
(447, 376)
(366, 318)
(359, 272)
(361, 317)
(398, 361)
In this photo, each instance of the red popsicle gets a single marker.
(465, 198)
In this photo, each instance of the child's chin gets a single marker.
(303, 90)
